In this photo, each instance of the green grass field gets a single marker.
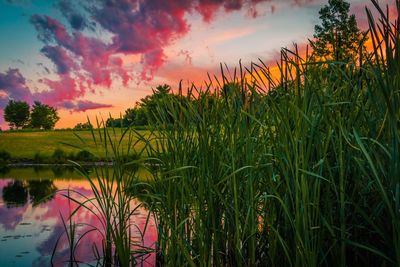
(24, 145)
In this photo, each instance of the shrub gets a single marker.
(5, 157)
(84, 155)
(71, 156)
(59, 156)
(38, 158)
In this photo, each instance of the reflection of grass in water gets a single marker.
(112, 200)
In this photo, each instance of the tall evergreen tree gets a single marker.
(338, 36)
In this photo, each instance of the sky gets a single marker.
(96, 58)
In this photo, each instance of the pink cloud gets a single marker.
(91, 56)
(186, 55)
(84, 105)
(63, 89)
(143, 28)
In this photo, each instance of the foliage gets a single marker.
(59, 156)
(84, 156)
(43, 116)
(5, 157)
(116, 123)
(144, 112)
(135, 117)
(253, 171)
(112, 204)
(338, 37)
(81, 126)
(299, 171)
(150, 104)
(38, 158)
(16, 113)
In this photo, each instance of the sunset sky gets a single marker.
(95, 57)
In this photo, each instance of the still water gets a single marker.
(30, 228)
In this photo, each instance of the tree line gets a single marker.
(144, 111)
(19, 115)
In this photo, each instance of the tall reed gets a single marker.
(302, 170)
(112, 202)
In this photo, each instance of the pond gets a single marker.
(31, 228)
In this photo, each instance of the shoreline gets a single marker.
(33, 164)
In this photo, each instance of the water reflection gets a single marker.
(41, 191)
(31, 212)
(15, 194)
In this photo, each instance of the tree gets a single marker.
(156, 104)
(130, 116)
(43, 116)
(115, 123)
(338, 37)
(141, 117)
(83, 125)
(16, 114)
(135, 116)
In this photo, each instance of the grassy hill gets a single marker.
(26, 145)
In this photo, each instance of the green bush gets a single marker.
(84, 156)
(59, 156)
(5, 157)
(71, 156)
(38, 158)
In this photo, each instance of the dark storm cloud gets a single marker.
(13, 86)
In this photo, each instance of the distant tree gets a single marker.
(338, 37)
(152, 104)
(16, 114)
(43, 116)
(141, 117)
(130, 116)
(115, 123)
(135, 116)
(84, 125)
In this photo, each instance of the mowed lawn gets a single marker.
(24, 145)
